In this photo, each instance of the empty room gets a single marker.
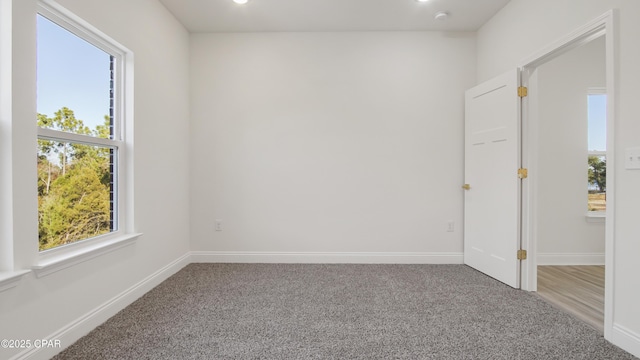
(222, 179)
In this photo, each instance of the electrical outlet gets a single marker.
(450, 226)
(218, 225)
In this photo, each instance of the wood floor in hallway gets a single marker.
(578, 290)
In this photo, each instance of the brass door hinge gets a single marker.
(523, 173)
(522, 91)
(522, 255)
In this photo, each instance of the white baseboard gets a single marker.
(325, 257)
(570, 259)
(626, 339)
(83, 325)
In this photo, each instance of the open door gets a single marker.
(492, 179)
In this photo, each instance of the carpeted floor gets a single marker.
(291, 311)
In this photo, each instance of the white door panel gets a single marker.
(492, 158)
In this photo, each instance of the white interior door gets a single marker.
(492, 159)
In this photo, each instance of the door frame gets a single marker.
(604, 25)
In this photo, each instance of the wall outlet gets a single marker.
(218, 225)
(450, 226)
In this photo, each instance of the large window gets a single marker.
(80, 132)
(597, 150)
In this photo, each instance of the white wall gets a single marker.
(523, 28)
(329, 142)
(565, 234)
(42, 307)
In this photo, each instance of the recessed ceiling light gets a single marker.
(240, 1)
(422, 0)
(441, 15)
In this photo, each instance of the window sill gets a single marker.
(596, 216)
(68, 259)
(11, 279)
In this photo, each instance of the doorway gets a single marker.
(540, 194)
(570, 223)
(568, 244)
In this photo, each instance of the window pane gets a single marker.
(73, 74)
(597, 178)
(597, 118)
(75, 192)
(597, 144)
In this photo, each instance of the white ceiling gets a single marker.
(331, 15)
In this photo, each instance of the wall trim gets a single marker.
(327, 257)
(76, 329)
(74, 257)
(626, 339)
(10, 279)
(571, 259)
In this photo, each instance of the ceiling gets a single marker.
(331, 15)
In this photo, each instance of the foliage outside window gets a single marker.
(596, 159)
(78, 145)
(75, 183)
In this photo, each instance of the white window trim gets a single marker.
(79, 255)
(11, 279)
(596, 216)
(52, 260)
(596, 91)
(6, 247)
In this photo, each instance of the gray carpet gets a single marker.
(291, 311)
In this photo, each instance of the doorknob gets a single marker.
(466, 187)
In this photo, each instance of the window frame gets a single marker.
(597, 215)
(6, 199)
(51, 260)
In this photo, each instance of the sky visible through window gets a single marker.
(71, 73)
(597, 120)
